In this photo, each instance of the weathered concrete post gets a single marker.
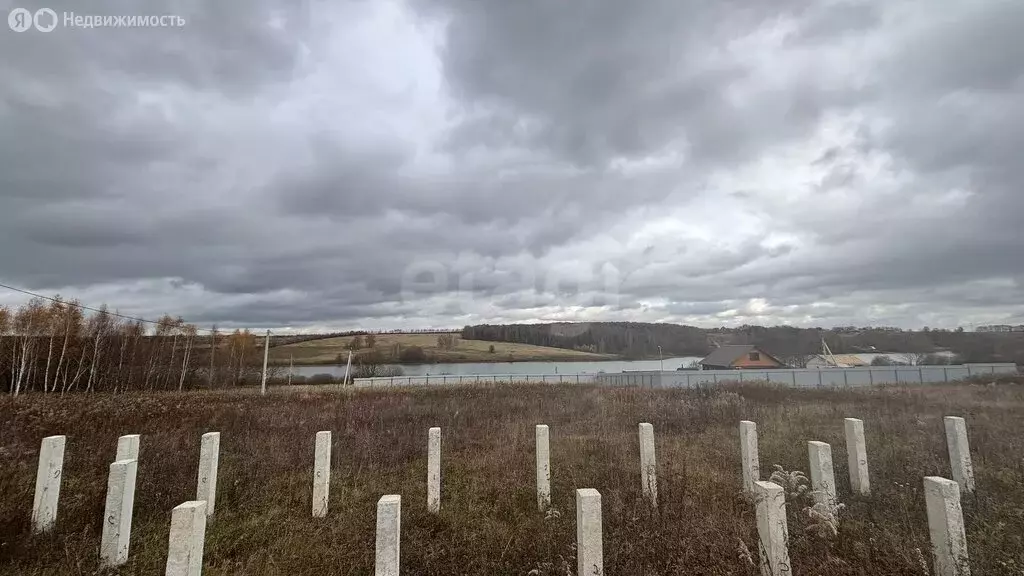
(185, 543)
(959, 452)
(946, 527)
(748, 455)
(772, 531)
(857, 456)
(48, 477)
(434, 470)
(543, 468)
(321, 474)
(389, 529)
(209, 458)
(648, 465)
(117, 515)
(266, 355)
(127, 447)
(589, 546)
(823, 477)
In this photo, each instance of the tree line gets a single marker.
(637, 340)
(53, 347)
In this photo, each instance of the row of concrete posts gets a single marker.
(942, 496)
(188, 520)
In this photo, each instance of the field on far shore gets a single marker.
(489, 524)
(326, 351)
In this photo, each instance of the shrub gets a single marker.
(412, 354)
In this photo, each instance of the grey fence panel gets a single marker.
(956, 372)
(807, 378)
(861, 377)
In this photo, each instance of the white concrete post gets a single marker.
(321, 474)
(389, 529)
(209, 458)
(589, 546)
(117, 516)
(127, 447)
(823, 477)
(648, 465)
(185, 543)
(857, 456)
(959, 452)
(772, 531)
(543, 468)
(748, 455)
(946, 527)
(266, 355)
(434, 470)
(48, 476)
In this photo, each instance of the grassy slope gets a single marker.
(488, 523)
(326, 351)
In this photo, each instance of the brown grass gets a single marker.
(488, 524)
(325, 351)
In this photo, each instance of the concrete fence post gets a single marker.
(389, 529)
(946, 527)
(772, 531)
(266, 356)
(321, 474)
(648, 465)
(959, 452)
(748, 455)
(823, 478)
(117, 515)
(434, 470)
(589, 545)
(48, 477)
(127, 447)
(185, 543)
(209, 460)
(857, 456)
(543, 468)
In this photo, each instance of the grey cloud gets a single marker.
(181, 170)
(596, 80)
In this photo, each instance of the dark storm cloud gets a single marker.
(594, 80)
(306, 164)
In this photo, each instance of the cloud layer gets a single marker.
(443, 162)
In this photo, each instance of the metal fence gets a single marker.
(800, 378)
(809, 377)
(450, 379)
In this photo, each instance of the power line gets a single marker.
(89, 308)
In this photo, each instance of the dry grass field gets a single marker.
(488, 523)
(326, 351)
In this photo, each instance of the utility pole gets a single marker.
(266, 353)
(661, 359)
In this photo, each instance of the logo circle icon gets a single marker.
(46, 25)
(20, 19)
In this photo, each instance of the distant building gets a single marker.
(739, 356)
(841, 361)
(1000, 328)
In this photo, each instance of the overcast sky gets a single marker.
(435, 163)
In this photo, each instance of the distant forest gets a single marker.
(637, 340)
